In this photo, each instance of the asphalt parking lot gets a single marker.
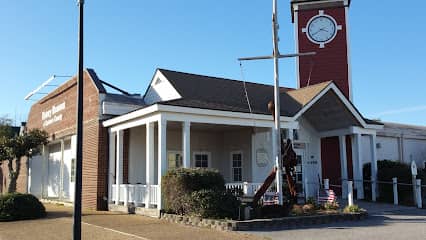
(385, 221)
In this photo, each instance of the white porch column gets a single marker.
(162, 156)
(291, 134)
(373, 167)
(119, 165)
(111, 168)
(186, 144)
(343, 165)
(149, 161)
(357, 165)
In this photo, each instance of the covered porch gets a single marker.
(145, 144)
(338, 133)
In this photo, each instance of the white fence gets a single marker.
(153, 194)
(135, 193)
(248, 189)
(416, 186)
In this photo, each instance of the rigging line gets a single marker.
(245, 88)
(246, 94)
(310, 70)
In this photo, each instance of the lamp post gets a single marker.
(79, 154)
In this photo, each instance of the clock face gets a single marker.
(322, 29)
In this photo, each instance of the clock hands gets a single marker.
(321, 29)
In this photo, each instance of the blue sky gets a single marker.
(125, 41)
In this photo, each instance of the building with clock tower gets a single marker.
(321, 26)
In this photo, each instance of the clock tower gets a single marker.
(322, 26)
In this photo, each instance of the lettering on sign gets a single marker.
(262, 157)
(53, 114)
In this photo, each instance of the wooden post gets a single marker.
(350, 193)
(395, 191)
(326, 184)
(419, 193)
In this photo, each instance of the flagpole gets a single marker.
(277, 131)
(79, 153)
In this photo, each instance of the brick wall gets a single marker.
(94, 137)
(21, 184)
(126, 139)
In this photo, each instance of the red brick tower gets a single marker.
(322, 26)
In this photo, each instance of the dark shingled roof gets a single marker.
(206, 92)
(96, 80)
(125, 99)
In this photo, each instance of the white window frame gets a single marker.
(202, 153)
(232, 167)
(173, 152)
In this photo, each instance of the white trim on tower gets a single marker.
(348, 47)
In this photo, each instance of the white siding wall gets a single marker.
(137, 155)
(219, 145)
(366, 149)
(389, 148)
(54, 170)
(262, 143)
(311, 163)
(415, 149)
(36, 176)
(160, 90)
(239, 140)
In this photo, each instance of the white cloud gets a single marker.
(401, 110)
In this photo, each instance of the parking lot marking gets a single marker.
(116, 231)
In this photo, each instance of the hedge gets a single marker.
(18, 206)
(386, 170)
(199, 192)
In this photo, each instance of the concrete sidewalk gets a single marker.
(107, 226)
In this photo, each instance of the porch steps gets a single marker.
(149, 212)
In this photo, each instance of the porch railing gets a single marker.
(135, 193)
(248, 189)
(153, 194)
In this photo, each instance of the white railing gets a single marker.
(248, 189)
(153, 194)
(130, 193)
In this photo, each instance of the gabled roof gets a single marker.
(205, 92)
(215, 93)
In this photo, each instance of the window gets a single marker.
(174, 159)
(201, 160)
(237, 166)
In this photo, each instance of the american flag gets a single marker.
(327, 196)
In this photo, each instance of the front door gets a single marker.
(330, 158)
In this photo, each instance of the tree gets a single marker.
(14, 147)
(6, 127)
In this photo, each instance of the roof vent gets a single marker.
(158, 81)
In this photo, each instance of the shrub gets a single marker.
(200, 192)
(18, 206)
(352, 209)
(213, 204)
(178, 185)
(297, 210)
(386, 171)
(312, 201)
(309, 209)
(271, 211)
(331, 205)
